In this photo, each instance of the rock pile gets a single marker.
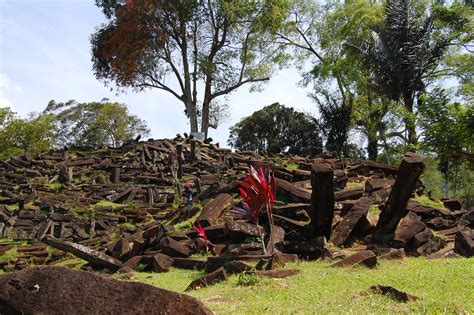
(117, 208)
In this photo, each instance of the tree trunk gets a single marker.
(410, 120)
(192, 113)
(205, 117)
(372, 148)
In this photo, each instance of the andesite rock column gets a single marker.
(395, 208)
(322, 199)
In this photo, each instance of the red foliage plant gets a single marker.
(258, 192)
(200, 231)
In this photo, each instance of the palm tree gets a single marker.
(403, 55)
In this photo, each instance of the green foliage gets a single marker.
(447, 128)
(427, 201)
(276, 129)
(140, 267)
(210, 48)
(432, 178)
(248, 279)
(25, 135)
(95, 124)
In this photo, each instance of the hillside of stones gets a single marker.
(124, 208)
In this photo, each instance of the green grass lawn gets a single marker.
(445, 286)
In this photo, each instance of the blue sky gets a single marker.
(45, 54)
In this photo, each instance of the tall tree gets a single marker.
(25, 135)
(405, 53)
(277, 129)
(343, 90)
(198, 51)
(95, 124)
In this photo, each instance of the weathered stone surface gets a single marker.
(365, 257)
(187, 263)
(214, 208)
(440, 223)
(374, 184)
(349, 194)
(133, 262)
(57, 290)
(408, 173)
(408, 228)
(452, 204)
(464, 244)
(207, 280)
(279, 260)
(322, 199)
(161, 263)
(295, 193)
(174, 248)
(303, 249)
(421, 238)
(277, 273)
(241, 229)
(344, 229)
(433, 245)
(236, 267)
(394, 293)
(84, 252)
(393, 253)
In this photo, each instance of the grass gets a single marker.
(291, 166)
(106, 203)
(424, 200)
(9, 254)
(445, 286)
(354, 185)
(54, 185)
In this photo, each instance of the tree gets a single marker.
(447, 131)
(95, 124)
(24, 135)
(198, 51)
(405, 52)
(277, 129)
(344, 93)
(334, 121)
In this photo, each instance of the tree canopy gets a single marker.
(95, 124)
(25, 135)
(277, 129)
(198, 51)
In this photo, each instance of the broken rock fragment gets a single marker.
(365, 257)
(207, 280)
(394, 293)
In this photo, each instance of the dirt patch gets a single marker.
(57, 290)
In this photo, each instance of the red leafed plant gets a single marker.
(200, 231)
(259, 193)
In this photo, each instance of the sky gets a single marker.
(45, 55)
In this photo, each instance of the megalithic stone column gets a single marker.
(395, 208)
(179, 154)
(322, 199)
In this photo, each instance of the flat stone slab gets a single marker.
(408, 228)
(344, 229)
(58, 290)
(365, 257)
(84, 252)
(207, 280)
(393, 253)
(214, 208)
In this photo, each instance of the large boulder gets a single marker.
(57, 290)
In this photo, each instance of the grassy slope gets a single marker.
(445, 286)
